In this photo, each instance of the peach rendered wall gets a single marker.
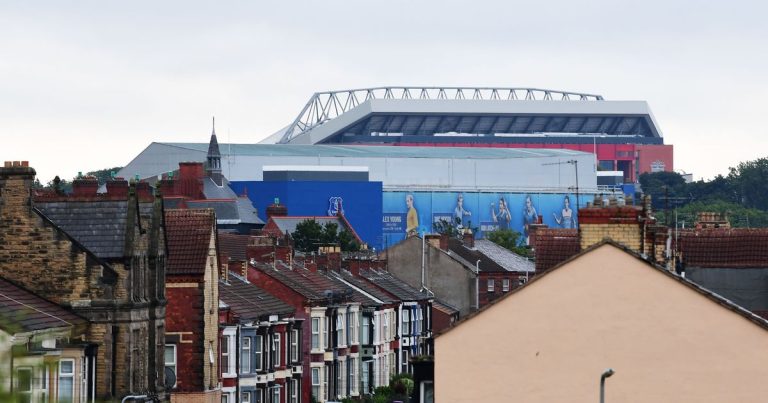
(550, 341)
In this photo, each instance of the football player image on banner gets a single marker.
(566, 219)
(412, 219)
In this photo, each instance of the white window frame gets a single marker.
(71, 375)
(365, 337)
(175, 363)
(258, 350)
(245, 351)
(294, 396)
(365, 375)
(276, 349)
(341, 324)
(491, 285)
(406, 321)
(245, 397)
(275, 394)
(385, 330)
(294, 345)
(315, 374)
(326, 327)
(353, 371)
(505, 285)
(355, 327)
(31, 380)
(316, 345)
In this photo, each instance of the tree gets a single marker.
(660, 185)
(509, 239)
(307, 236)
(750, 180)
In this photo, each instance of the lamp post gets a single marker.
(608, 372)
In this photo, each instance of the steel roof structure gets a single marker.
(391, 115)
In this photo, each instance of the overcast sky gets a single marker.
(88, 85)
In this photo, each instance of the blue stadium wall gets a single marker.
(478, 211)
(380, 217)
(362, 202)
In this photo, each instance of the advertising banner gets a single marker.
(407, 213)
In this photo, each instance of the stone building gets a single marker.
(103, 258)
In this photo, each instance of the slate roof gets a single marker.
(21, 311)
(725, 248)
(234, 245)
(493, 258)
(444, 308)
(365, 286)
(250, 302)
(188, 235)
(97, 225)
(389, 283)
(554, 246)
(230, 208)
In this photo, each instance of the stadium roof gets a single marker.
(388, 115)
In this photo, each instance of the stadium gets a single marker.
(402, 159)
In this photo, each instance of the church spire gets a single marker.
(213, 160)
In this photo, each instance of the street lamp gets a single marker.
(608, 372)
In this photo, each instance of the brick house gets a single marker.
(40, 343)
(261, 345)
(103, 258)
(331, 320)
(191, 335)
(375, 342)
(411, 324)
(465, 273)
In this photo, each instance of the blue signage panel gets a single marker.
(483, 212)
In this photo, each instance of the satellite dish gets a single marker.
(170, 378)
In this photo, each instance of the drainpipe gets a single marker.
(477, 284)
(422, 259)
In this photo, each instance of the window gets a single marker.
(326, 341)
(276, 349)
(353, 376)
(355, 327)
(258, 360)
(490, 285)
(521, 280)
(316, 383)
(258, 396)
(225, 354)
(385, 330)
(325, 383)
(170, 358)
(406, 321)
(366, 336)
(295, 392)
(505, 285)
(275, 394)
(24, 385)
(341, 378)
(406, 357)
(245, 356)
(294, 345)
(427, 392)
(225, 398)
(67, 380)
(245, 397)
(341, 340)
(315, 333)
(365, 377)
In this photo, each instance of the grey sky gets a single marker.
(88, 85)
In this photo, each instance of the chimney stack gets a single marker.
(117, 188)
(16, 179)
(468, 238)
(276, 209)
(85, 186)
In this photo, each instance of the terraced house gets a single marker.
(101, 257)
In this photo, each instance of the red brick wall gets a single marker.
(440, 320)
(488, 297)
(184, 314)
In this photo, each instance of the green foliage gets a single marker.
(509, 239)
(742, 195)
(402, 384)
(445, 227)
(739, 216)
(103, 175)
(310, 235)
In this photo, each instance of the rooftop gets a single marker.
(22, 311)
(188, 233)
(248, 301)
